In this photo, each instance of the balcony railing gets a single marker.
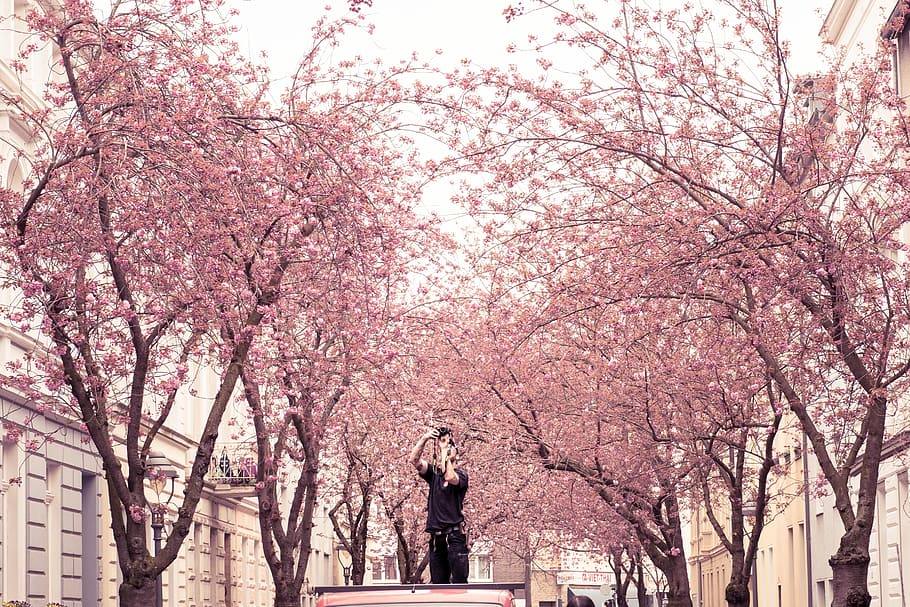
(233, 464)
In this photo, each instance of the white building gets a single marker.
(855, 26)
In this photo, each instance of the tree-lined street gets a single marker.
(646, 269)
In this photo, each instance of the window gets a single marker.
(480, 568)
(327, 569)
(390, 570)
(13, 528)
(885, 548)
(903, 493)
(194, 566)
(90, 544)
(314, 564)
(385, 568)
(902, 63)
(55, 533)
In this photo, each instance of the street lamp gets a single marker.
(345, 560)
(158, 470)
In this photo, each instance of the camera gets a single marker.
(445, 431)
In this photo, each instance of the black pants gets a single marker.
(449, 558)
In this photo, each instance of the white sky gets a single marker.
(474, 29)
(461, 28)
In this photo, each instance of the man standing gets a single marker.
(445, 520)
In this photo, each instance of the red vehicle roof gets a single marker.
(422, 596)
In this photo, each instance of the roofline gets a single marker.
(836, 19)
(893, 446)
(891, 29)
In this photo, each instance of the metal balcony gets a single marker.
(232, 471)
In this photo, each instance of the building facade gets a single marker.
(555, 573)
(50, 505)
(56, 544)
(780, 571)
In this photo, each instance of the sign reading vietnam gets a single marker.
(583, 578)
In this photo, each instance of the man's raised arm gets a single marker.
(451, 476)
(418, 462)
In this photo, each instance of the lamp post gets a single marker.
(158, 470)
(345, 560)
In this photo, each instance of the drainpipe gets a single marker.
(755, 582)
(701, 597)
(809, 581)
(528, 574)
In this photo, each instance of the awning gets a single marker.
(592, 593)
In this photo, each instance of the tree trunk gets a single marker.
(737, 593)
(621, 600)
(137, 596)
(850, 565)
(286, 595)
(672, 563)
(419, 568)
(358, 570)
(677, 575)
(678, 601)
(622, 584)
(640, 587)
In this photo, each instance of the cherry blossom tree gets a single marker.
(728, 417)
(405, 513)
(354, 505)
(685, 161)
(379, 502)
(579, 423)
(325, 349)
(625, 561)
(524, 426)
(734, 479)
(421, 388)
(145, 211)
(290, 417)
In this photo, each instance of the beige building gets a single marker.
(221, 562)
(709, 562)
(779, 572)
(780, 568)
(557, 572)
